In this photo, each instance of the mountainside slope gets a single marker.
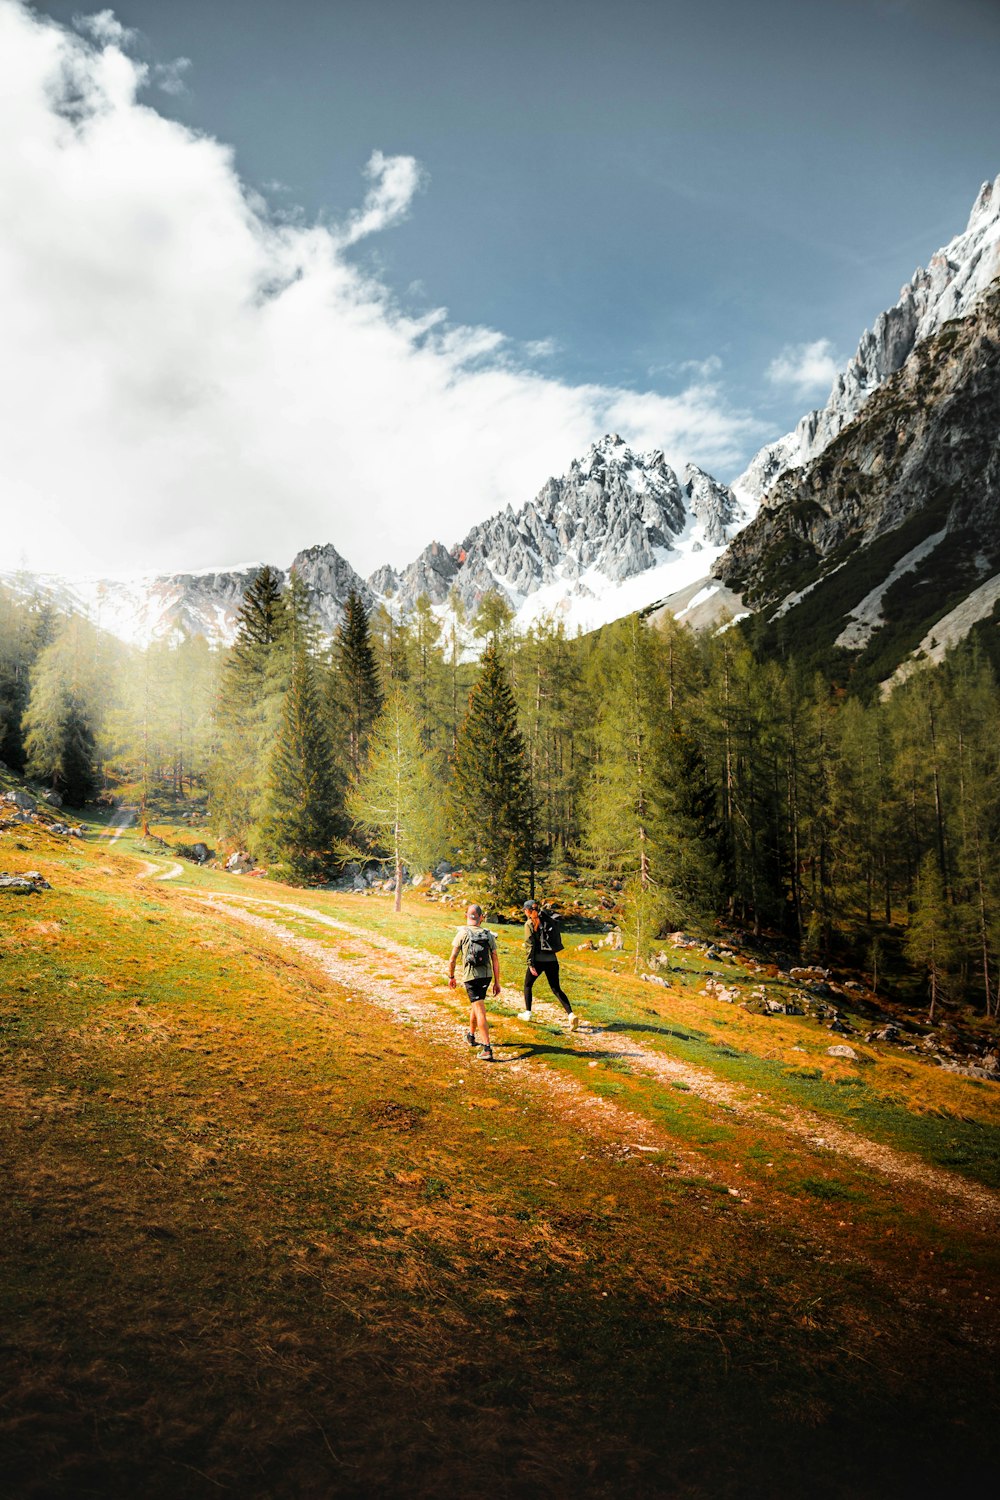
(897, 523)
(955, 278)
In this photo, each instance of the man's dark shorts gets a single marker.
(476, 988)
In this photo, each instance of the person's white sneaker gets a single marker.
(573, 1020)
(524, 1015)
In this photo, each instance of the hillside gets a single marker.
(687, 1250)
(864, 556)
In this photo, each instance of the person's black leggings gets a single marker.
(551, 971)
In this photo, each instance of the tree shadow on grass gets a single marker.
(525, 1050)
(674, 1031)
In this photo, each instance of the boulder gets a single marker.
(888, 1033)
(442, 868)
(201, 853)
(23, 800)
(52, 798)
(25, 883)
(842, 1051)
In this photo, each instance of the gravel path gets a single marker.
(816, 1131)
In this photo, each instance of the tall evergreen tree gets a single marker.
(358, 689)
(254, 680)
(299, 823)
(491, 791)
(71, 686)
(397, 799)
(27, 625)
(930, 936)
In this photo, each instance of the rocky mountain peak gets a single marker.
(955, 277)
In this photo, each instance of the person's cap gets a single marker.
(531, 906)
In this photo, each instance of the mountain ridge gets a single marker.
(619, 530)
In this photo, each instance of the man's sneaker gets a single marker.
(470, 1038)
(573, 1020)
(524, 1015)
(485, 1054)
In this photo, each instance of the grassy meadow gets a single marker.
(270, 1230)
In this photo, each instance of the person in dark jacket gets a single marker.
(542, 959)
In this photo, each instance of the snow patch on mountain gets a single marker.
(866, 616)
(615, 533)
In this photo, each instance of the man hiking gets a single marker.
(480, 959)
(541, 946)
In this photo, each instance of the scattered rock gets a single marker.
(585, 947)
(22, 800)
(25, 883)
(809, 975)
(721, 992)
(239, 862)
(888, 1033)
(842, 1051)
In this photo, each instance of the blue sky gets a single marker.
(640, 197)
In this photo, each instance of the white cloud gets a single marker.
(807, 368)
(541, 348)
(105, 29)
(703, 368)
(170, 76)
(395, 181)
(188, 381)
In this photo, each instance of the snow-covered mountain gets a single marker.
(616, 532)
(954, 280)
(621, 530)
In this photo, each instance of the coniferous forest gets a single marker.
(696, 782)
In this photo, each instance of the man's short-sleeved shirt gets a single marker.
(477, 949)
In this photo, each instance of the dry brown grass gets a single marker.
(262, 1239)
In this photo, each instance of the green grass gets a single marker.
(262, 1239)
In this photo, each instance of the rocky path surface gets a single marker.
(415, 969)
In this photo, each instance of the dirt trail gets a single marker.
(122, 819)
(814, 1130)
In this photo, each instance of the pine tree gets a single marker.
(27, 625)
(930, 937)
(253, 683)
(299, 824)
(358, 689)
(396, 798)
(70, 689)
(642, 823)
(491, 793)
